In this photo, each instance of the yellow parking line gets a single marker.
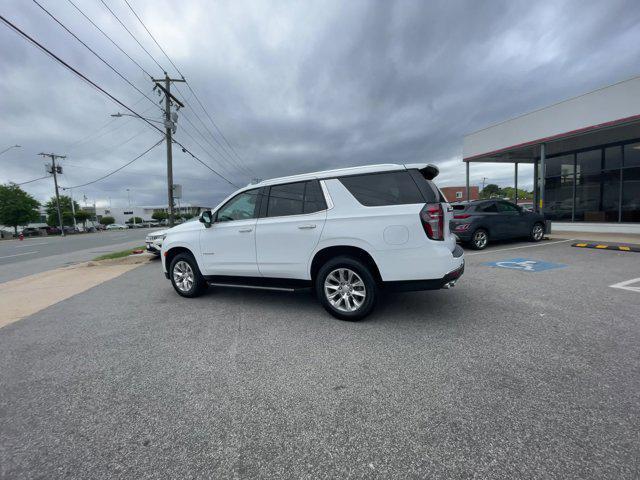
(581, 244)
(601, 246)
(626, 249)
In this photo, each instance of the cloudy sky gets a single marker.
(293, 86)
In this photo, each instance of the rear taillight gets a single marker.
(462, 215)
(432, 218)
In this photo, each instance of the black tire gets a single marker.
(369, 288)
(537, 232)
(197, 286)
(479, 239)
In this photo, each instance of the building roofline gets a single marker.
(571, 133)
(636, 77)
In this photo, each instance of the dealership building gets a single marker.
(585, 153)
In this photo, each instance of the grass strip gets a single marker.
(122, 253)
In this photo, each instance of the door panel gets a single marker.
(229, 248)
(284, 244)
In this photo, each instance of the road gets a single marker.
(511, 374)
(36, 254)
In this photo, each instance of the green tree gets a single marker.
(107, 220)
(137, 219)
(491, 190)
(159, 216)
(65, 210)
(82, 216)
(187, 216)
(17, 207)
(509, 192)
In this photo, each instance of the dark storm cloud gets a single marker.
(300, 86)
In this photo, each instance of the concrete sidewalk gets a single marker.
(626, 238)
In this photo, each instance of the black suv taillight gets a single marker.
(432, 218)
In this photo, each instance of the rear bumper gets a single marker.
(430, 284)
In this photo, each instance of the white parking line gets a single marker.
(19, 254)
(517, 248)
(31, 244)
(625, 285)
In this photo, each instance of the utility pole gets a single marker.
(170, 126)
(55, 170)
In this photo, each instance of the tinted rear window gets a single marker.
(459, 206)
(389, 188)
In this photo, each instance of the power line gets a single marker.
(97, 134)
(251, 173)
(153, 38)
(233, 162)
(213, 122)
(132, 36)
(99, 88)
(95, 53)
(109, 38)
(227, 163)
(30, 181)
(119, 168)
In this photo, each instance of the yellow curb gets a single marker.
(28, 295)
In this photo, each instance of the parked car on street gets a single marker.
(480, 221)
(52, 231)
(154, 241)
(346, 233)
(32, 232)
(115, 226)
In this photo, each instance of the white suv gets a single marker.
(346, 233)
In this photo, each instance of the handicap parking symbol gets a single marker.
(524, 264)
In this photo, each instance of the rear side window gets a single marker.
(313, 197)
(379, 189)
(295, 199)
(488, 208)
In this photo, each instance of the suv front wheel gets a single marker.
(186, 277)
(346, 288)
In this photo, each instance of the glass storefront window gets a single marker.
(589, 190)
(612, 157)
(632, 155)
(631, 194)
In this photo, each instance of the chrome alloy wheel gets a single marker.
(538, 232)
(183, 276)
(480, 239)
(345, 290)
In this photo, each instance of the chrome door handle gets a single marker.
(307, 227)
(245, 230)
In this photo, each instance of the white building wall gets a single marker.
(608, 104)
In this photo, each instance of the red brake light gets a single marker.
(462, 215)
(432, 218)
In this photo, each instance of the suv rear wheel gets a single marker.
(186, 277)
(346, 288)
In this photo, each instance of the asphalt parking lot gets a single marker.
(514, 373)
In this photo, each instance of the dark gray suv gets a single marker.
(479, 221)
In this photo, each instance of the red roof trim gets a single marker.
(557, 136)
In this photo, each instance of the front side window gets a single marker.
(379, 189)
(240, 207)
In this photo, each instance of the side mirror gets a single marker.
(205, 217)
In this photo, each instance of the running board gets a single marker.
(259, 283)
